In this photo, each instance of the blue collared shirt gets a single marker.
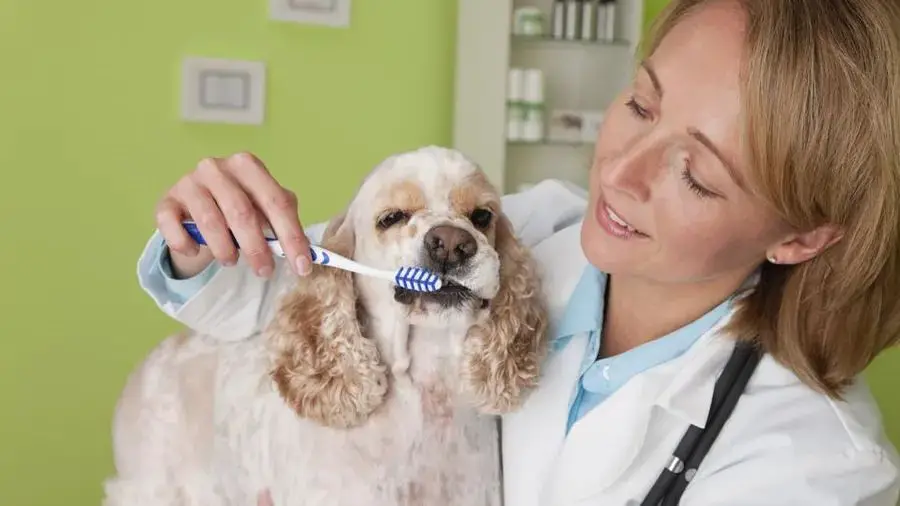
(601, 378)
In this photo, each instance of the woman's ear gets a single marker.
(502, 355)
(804, 246)
(326, 369)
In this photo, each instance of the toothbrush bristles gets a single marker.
(418, 279)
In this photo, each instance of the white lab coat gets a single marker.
(785, 445)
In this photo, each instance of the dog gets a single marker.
(357, 392)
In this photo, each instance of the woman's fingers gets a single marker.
(232, 200)
(204, 210)
(278, 205)
(169, 215)
(241, 215)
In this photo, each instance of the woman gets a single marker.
(745, 186)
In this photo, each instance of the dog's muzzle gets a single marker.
(447, 251)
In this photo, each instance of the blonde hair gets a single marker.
(822, 130)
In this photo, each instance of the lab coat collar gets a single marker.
(691, 379)
(685, 385)
(682, 387)
(676, 387)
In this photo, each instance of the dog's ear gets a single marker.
(503, 353)
(326, 369)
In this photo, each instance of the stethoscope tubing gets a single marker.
(696, 442)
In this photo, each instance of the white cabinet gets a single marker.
(578, 75)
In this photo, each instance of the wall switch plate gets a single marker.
(223, 91)
(333, 13)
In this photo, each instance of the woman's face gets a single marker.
(668, 164)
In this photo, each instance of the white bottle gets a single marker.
(515, 105)
(589, 20)
(600, 24)
(609, 31)
(573, 18)
(533, 130)
(559, 19)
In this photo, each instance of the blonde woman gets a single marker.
(745, 189)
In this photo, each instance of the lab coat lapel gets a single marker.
(603, 445)
(533, 434)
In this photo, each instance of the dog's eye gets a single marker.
(481, 218)
(391, 218)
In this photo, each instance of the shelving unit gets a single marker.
(578, 74)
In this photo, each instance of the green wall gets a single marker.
(90, 137)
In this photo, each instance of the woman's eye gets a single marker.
(391, 218)
(694, 185)
(637, 110)
(481, 218)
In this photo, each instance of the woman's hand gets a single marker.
(236, 193)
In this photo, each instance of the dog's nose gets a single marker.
(450, 246)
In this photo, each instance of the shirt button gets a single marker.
(606, 372)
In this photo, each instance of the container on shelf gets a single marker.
(515, 104)
(528, 21)
(606, 21)
(533, 128)
(579, 59)
(573, 18)
(559, 19)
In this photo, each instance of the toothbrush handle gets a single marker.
(319, 255)
(191, 228)
(322, 256)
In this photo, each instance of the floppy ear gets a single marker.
(503, 354)
(325, 368)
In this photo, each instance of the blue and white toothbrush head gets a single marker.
(417, 279)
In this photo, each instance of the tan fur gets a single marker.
(474, 191)
(503, 353)
(326, 369)
(402, 196)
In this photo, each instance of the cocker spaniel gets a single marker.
(358, 392)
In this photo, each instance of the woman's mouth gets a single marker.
(614, 224)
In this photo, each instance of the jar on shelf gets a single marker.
(528, 21)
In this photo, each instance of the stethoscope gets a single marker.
(696, 442)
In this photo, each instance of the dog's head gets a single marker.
(430, 208)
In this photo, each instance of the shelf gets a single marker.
(577, 74)
(545, 41)
(549, 142)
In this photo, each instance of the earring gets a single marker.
(772, 259)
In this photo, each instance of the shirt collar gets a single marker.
(585, 307)
(584, 310)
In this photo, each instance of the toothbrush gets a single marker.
(411, 278)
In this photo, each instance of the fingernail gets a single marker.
(264, 272)
(303, 267)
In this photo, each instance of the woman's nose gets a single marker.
(633, 170)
